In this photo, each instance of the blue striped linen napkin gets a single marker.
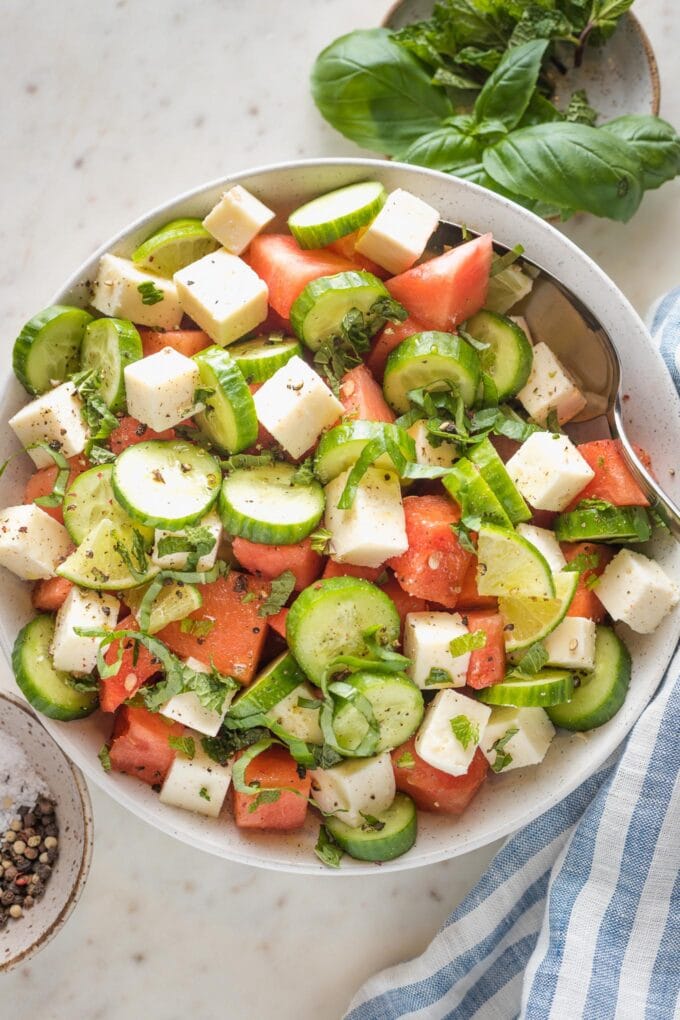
(578, 915)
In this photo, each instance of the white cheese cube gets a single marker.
(237, 218)
(178, 560)
(53, 418)
(32, 544)
(70, 651)
(223, 295)
(295, 405)
(398, 235)
(160, 389)
(196, 784)
(363, 786)
(546, 543)
(302, 722)
(427, 637)
(550, 388)
(436, 456)
(525, 734)
(572, 644)
(126, 292)
(635, 590)
(374, 527)
(187, 709)
(549, 471)
(451, 731)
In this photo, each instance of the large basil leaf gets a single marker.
(444, 149)
(509, 88)
(476, 173)
(570, 166)
(539, 111)
(656, 143)
(375, 92)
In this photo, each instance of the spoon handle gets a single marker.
(667, 509)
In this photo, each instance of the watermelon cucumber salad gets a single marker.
(306, 524)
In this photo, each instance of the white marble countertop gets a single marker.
(109, 108)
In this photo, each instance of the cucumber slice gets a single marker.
(274, 683)
(492, 470)
(166, 484)
(528, 620)
(397, 706)
(174, 602)
(509, 565)
(174, 246)
(601, 693)
(47, 351)
(90, 499)
(467, 486)
(258, 359)
(330, 617)
(325, 219)
(108, 346)
(265, 505)
(430, 360)
(394, 833)
(341, 447)
(45, 688)
(97, 562)
(319, 310)
(229, 419)
(508, 356)
(607, 523)
(548, 687)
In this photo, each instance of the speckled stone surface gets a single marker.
(107, 110)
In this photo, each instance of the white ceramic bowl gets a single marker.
(21, 939)
(653, 411)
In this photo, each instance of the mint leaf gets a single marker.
(320, 540)
(465, 730)
(281, 589)
(534, 659)
(406, 761)
(203, 792)
(104, 758)
(151, 295)
(467, 643)
(327, 850)
(502, 758)
(437, 676)
(186, 745)
(264, 797)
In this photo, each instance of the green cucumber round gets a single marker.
(390, 834)
(273, 684)
(264, 504)
(318, 311)
(337, 213)
(508, 356)
(431, 360)
(469, 489)
(166, 484)
(547, 687)
(603, 523)
(602, 692)
(229, 419)
(47, 351)
(341, 447)
(177, 244)
(397, 705)
(108, 346)
(493, 471)
(45, 688)
(89, 499)
(260, 358)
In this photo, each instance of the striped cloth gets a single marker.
(578, 915)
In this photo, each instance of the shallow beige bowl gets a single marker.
(23, 938)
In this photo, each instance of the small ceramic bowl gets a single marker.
(21, 939)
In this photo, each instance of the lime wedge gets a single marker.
(97, 562)
(528, 620)
(174, 246)
(174, 602)
(509, 565)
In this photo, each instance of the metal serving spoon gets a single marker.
(556, 315)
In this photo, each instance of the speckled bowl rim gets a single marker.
(88, 843)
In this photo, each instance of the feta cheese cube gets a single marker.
(237, 218)
(550, 388)
(398, 235)
(32, 544)
(549, 471)
(635, 590)
(525, 734)
(196, 784)
(572, 644)
(360, 786)
(82, 608)
(427, 637)
(451, 731)
(126, 292)
(178, 560)
(374, 527)
(436, 456)
(160, 389)
(223, 295)
(302, 722)
(295, 405)
(546, 543)
(53, 418)
(186, 708)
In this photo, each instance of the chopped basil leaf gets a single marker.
(304, 472)
(312, 703)
(345, 349)
(465, 730)
(151, 295)
(104, 758)
(327, 850)
(246, 460)
(438, 676)
(197, 628)
(501, 262)
(406, 761)
(467, 643)
(264, 797)
(320, 540)
(534, 659)
(281, 589)
(224, 746)
(371, 823)
(582, 562)
(196, 541)
(186, 745)
(83, 684)
(203, 792)
(503, 759)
